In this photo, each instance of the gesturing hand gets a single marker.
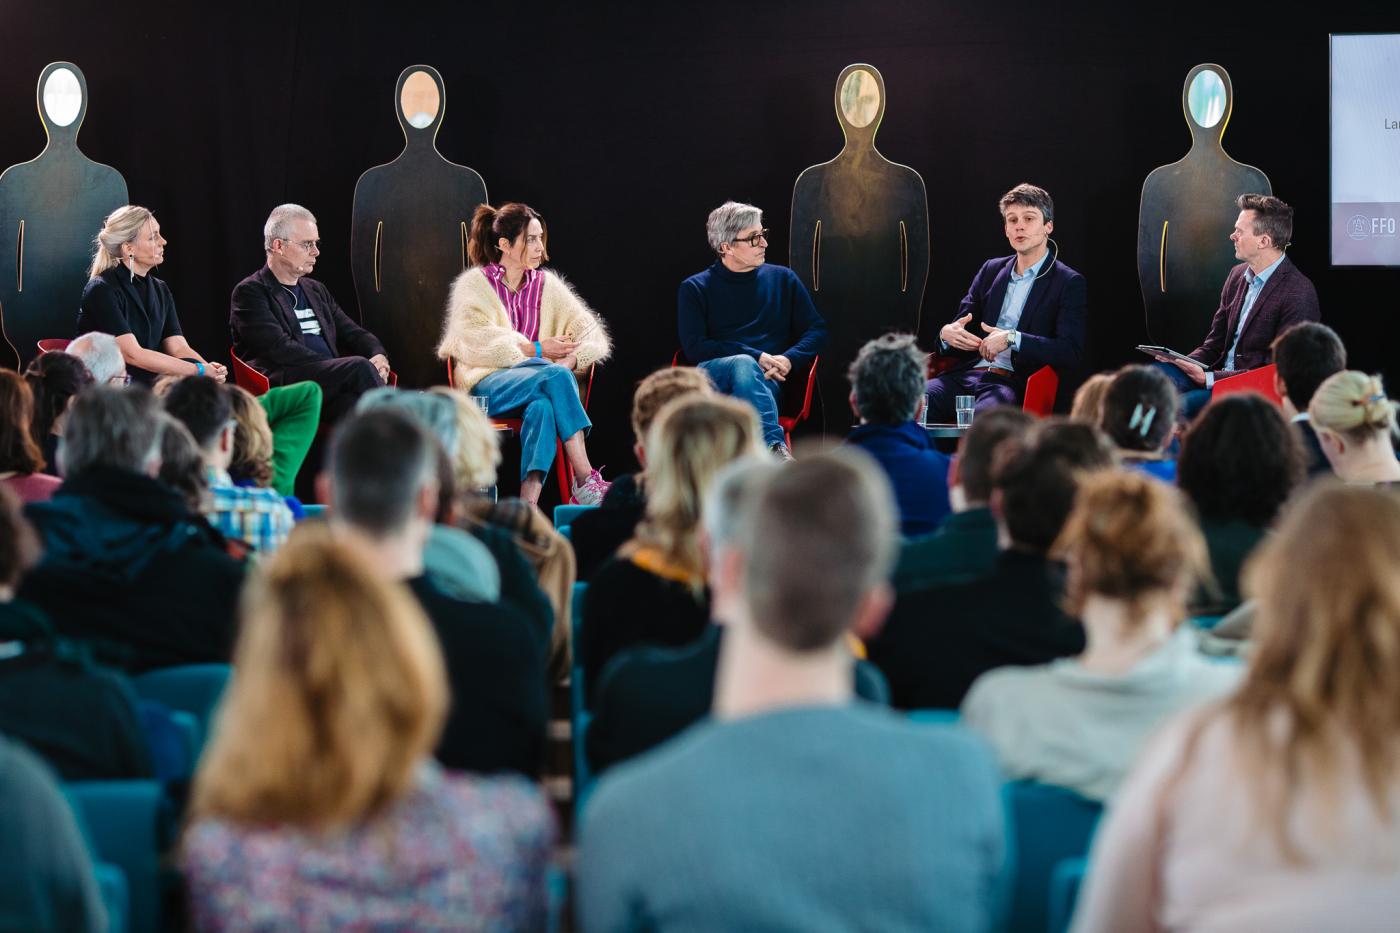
(957, 336)
(994, 343)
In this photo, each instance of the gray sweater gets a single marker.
(1061, 724)
(813, 819)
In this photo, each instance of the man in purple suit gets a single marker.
(1021, 313)
(1263, 296)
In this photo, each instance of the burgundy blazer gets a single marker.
(1288, 298)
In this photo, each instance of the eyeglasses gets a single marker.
(307, 245)
(753, 239)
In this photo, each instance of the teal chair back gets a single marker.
(127, 824)
(1065, 883)
(565, 514)
(1048, 825)
(943, 717)
(578, 701)
(111, 881)
(192, 688)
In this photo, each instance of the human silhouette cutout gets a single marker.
(1188, 210)
(408, 232)
(51, 207)
(859, 240)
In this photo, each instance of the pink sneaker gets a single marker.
(592, 490)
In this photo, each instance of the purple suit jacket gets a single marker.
(1288, 298)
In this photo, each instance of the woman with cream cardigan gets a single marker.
(519, 337)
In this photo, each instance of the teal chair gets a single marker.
(579, 721)
(568, 532)
(1065, 883)
(565, 514)
(1048, 825)
(111, 881)
(191, 688)
(127, 824)
(311, 510)
(948, 717)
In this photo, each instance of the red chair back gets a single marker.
(53, 345)
(1259, 380)
(1041, 389)
(246, 377)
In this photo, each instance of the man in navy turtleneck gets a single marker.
(746, 323)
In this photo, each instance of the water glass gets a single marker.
(965, 405)
(483, 405)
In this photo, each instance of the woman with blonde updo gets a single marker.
(124, 299)
(653, 591)
(1133, 555)
(1355, 424)
(519, 337)
(1278, 808)
(317, 805)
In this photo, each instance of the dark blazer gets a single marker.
(648, 694)
(937, 641)
(1287, 298)
(1052, 321)
(267, 335)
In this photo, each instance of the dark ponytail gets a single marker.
(489, 224)
(54, 378)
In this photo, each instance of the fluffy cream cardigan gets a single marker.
(479, 340)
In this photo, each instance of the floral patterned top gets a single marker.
(458, 852)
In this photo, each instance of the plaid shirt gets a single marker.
(257, 516)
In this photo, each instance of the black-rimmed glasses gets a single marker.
(753, 238)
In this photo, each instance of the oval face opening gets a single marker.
(419, 100)
(63, 97)
(1206, 99)
(860, 98)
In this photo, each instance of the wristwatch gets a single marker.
(1013, 340)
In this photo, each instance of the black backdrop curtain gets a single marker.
(624, 124)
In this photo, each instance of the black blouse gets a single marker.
(116, 303)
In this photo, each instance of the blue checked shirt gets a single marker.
(259, 517)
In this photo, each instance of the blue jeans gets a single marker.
(1193, 397)
(548, 394)
(742, 377)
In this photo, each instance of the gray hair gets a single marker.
(279, 222)
(888, 378)
(729, 497)
(111, 427)
(817, 537)
(728, 219)
(100, 354)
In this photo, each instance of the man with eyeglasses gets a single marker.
(287, 326)
(745, 323)
(102, 357)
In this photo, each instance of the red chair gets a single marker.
(787, 422)
(1259, 380)
(248, 378)
(1041, 388)
(563, 470)
(53, 345)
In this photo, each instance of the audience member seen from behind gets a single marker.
(1139, 415)
(1240, 461)
(1355, 424)
(647, 695)
(252, 461)
(126, 563)
(21, 460)
(383, 489)
(124, 299)
(1304, 356)
(46, 873)
(1088, 399)
(596, 535)
(519, 337)
(965, 545)
(182, 464)
(102, 357)
(55, 379)
(80, 717)
(1133, 555)
(772, 839)
(317, 805)
(940, 639)
(653, 591)
(1278, 808)
(255, 516)
(887, 395)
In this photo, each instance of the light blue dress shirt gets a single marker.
(1251, 294)
(1018, 289)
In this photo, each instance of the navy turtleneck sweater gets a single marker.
(722, 313)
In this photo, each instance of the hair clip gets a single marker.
(1142, 420)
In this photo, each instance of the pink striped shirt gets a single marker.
(522, 306)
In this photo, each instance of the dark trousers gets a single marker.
(342, 380)
(1193, 397)
(990, 389)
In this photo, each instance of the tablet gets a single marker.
(1164, 351)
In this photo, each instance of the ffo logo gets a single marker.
(1361, 227)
